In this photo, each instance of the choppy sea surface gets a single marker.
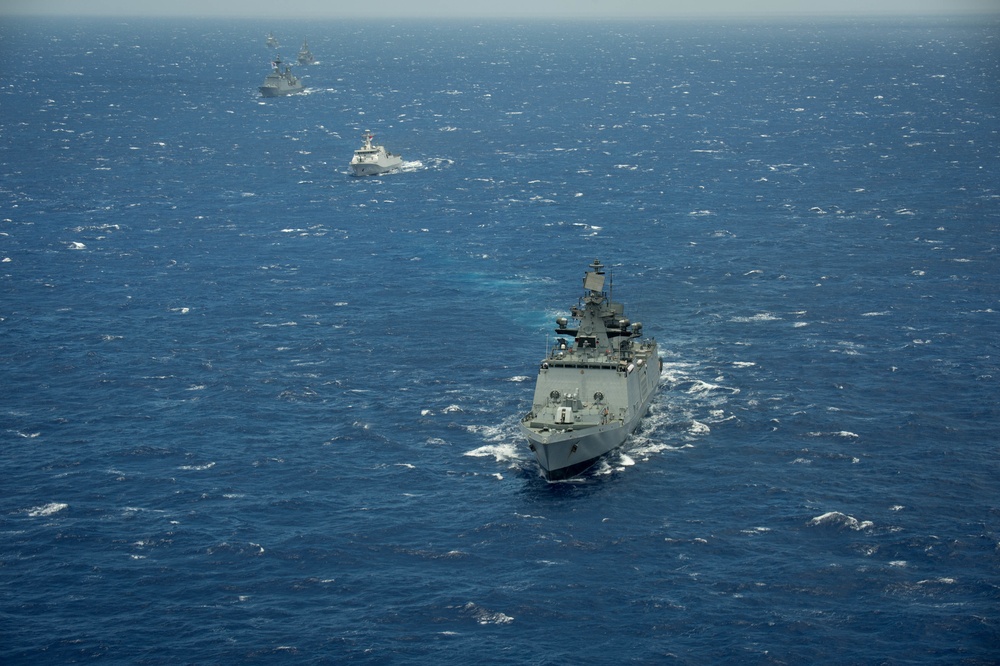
(254, 409)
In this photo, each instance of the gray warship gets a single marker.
(591, 392)
(370, 160)
(279, 82)
(305, 56)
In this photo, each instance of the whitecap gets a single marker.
(698, 428)
(484, 616)
(47, 509)
(761, 316)
(838, 519)
(940, 581)
(197, 468)
(699, 386)
(756, 530)
(841, 433)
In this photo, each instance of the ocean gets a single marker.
(255, 409)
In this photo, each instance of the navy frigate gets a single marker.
(593, 386)
(371, 160)
(305, 56)
(280, 82)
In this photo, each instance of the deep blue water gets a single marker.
(254, 409)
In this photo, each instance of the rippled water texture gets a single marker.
(253, 407)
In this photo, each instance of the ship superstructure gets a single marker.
(593, 386)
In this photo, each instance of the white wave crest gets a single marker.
(698, 386)
(197, 468)
(697, 428)
(47, 509)
(838, 519)
(484, 616)
(761, 316)
(846, 434)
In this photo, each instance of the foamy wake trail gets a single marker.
(502, 453)
(432, 163)
(502, 443)
(699, 386)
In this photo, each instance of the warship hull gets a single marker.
(273, 91)
(565, 455)
(563, 452)
(375, 168)
(280, 83)
(591, 392)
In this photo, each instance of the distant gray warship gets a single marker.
(279, 82)
(305, 55)
(272, 43)
(590, 393)
(372, 160)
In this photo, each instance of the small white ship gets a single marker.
(372, 160)
(280, 82)
(590, 393)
